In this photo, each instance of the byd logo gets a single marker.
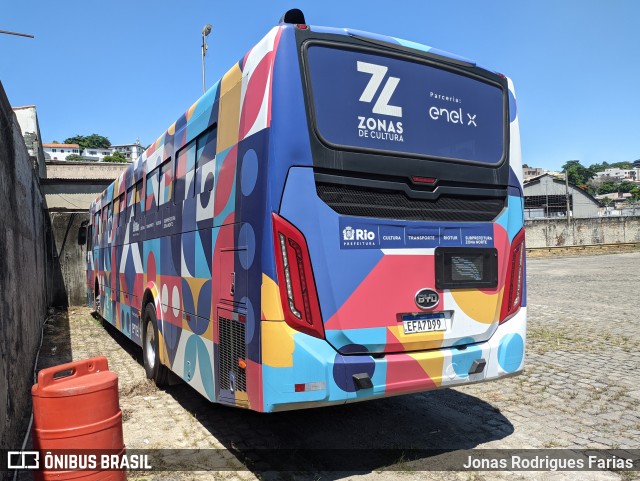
(378, 73)
(427, 298)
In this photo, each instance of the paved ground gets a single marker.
(581, 389)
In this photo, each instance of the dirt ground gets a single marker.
(580, 391)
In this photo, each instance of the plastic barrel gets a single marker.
(75, 407)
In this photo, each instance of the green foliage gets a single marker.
(583, 177)
(615, 187)
(607, 188)
(626, 186)
(595, 168)
(578, 173)
(74, 158)
(93, 141)
(622, 165)
(117, 157)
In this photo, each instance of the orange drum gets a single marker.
(75, 407)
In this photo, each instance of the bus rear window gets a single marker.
(365, 101)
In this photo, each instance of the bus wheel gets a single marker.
(97, 297)
(150, 348)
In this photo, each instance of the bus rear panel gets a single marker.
(339, 218)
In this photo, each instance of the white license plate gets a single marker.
(424, 323)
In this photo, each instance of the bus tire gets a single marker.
(96, 298)
(150, 348)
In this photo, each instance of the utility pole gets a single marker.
(566, 190)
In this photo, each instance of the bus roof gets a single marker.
(134, 172)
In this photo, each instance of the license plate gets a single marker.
(417, 323)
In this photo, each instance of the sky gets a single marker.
(129, 69)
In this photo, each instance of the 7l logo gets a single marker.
(378, 73)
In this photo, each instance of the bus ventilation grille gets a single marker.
(388, 204)
(232, 350)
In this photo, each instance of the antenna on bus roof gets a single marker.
(294, 16)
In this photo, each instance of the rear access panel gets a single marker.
(232, 357)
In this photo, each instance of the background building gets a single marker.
(60, 151)
(619, 174)
(130, 151)
(546, 196)
(96, 154)
(531, 172)
(53, 152)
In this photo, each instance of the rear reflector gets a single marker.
(310, 386)
(423, 180)
(512, 294)
(295, 279)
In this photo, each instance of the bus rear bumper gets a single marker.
(319, 376)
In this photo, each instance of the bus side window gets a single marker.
(122, 210)
(130, 201)
(110, 224)
(166, 182)
(206, 156)
(151, 203)
(103, 223)
(138, 199)
(89, 238)
(185, 166)
(116, 212)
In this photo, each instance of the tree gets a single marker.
(578, 173)
(626, 186)
(93, 141)
(622, 165)
(74, 158)
(116, 157)
(608, 188)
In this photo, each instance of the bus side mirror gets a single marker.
(82, 234)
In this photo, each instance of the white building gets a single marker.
(130, 151)
(60, 151)
(619, 174)
(96, 154)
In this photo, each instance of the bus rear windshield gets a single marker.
(366, 101)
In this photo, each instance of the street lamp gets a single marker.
(206, 30)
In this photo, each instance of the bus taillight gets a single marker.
(295, 278)
(512, 296)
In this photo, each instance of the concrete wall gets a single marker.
(599, 230)
(23, 274)
(70, 256)
(28, 120)
(85, 170)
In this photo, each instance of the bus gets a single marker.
(339, 218)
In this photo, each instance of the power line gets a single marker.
(7, 32)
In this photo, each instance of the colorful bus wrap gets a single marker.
(339, 218)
